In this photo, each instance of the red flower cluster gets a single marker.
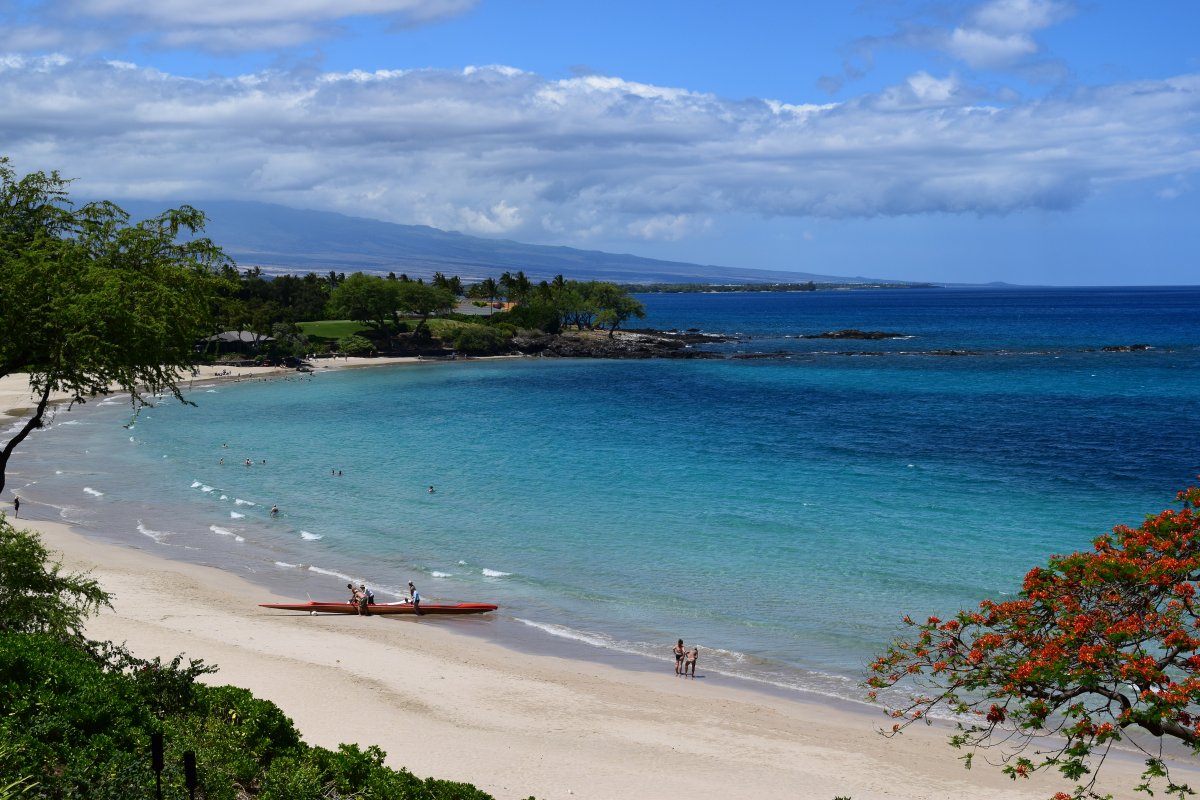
(1096, 642)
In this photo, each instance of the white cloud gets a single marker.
(220, 13)
(985, 49)
(505, 152)
(1000, 33)
(1020, 16)
(222, 26)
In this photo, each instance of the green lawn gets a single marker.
(332, 328)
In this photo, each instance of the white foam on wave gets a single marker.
(206, 489)
(462, 563)
(58, 472)
(211, 391)
(242, 502)
(224, 497)
(236, 515)
(563, 632)
(225, 532)
(93, 492)
(312, 537)
(70, 422)
(286, 565)
(715, 660)
(339, 575)
(436, 574)
(196, 484)
(153, 534)
(494, 573)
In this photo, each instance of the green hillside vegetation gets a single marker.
(363, 314)
(79, 715)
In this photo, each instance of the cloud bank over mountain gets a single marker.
(979, 117)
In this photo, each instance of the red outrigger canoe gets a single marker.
(317, 607)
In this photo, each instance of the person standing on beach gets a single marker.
(416, 598)
(690, 661)
(16, 506)
(365, 598)
(679, 654)
(355, 599)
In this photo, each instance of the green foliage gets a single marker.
(67, 720)
(36, 595)
(82, 720)
(613, 305)
(355, 346)
(89, 301)
(423, 300)
(537, 316)
(332, 329)
(12, 786)
(479, 340)
(368, 299)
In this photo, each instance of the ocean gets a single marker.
(782, 508)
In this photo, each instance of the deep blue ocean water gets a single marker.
(782, 512)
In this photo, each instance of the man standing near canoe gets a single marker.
(416, 598)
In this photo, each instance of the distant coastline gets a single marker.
(804, 286)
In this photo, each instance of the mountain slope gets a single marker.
(282, 239)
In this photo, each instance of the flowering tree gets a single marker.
(1096, 645)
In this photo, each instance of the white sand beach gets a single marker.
(451, 706)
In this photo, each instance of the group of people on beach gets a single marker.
(362, 598)
(685, 660)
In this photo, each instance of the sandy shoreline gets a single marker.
(514, 724)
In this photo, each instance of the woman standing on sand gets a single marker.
(679, 653)
(690, 661)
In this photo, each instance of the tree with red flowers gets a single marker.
(1096, 646)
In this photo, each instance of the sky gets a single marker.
(1050, 142)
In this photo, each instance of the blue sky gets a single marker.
(1027, 141)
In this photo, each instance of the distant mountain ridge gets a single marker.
(280, 239)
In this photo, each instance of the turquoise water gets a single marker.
(782, 513)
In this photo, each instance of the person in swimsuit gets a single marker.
(679, 654)
(355, 598)
(689, 663)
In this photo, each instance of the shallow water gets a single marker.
(781, 513)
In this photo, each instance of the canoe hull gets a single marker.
(382, 608)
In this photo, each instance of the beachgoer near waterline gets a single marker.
(415, 596)
(689, 661)
(16, 505)
(364, 599)
(679, 654)
(274, 511)
(430, 490)
(355, 598)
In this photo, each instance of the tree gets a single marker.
(423, 300)
(368, 299)
(517, 288)
(36, 596)
(355, 345)
(90, 304)
(488, 288)
(613, 306)
(1095, 645)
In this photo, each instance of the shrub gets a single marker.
(355, 345)
(478, 340)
